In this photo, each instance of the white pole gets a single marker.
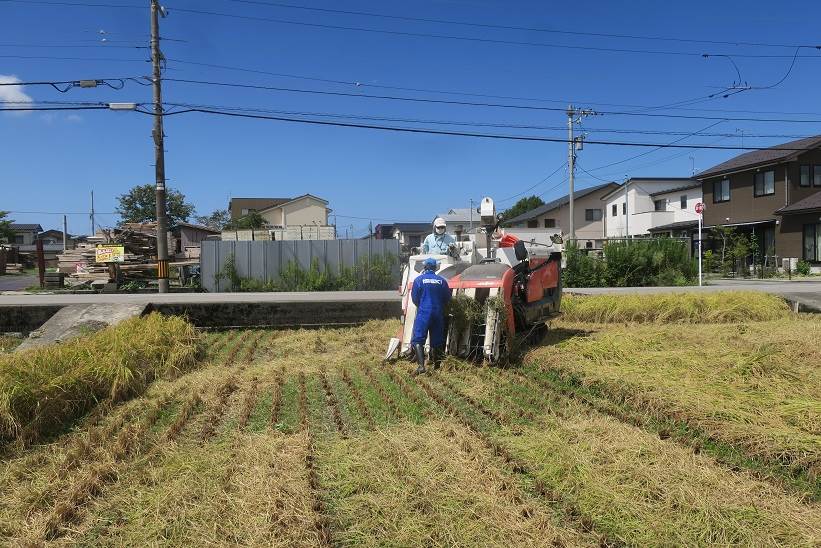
(700, 277)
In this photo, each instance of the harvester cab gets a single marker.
(505, 283)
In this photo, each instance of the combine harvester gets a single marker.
(507, 286)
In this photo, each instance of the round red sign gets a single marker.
(699, 208)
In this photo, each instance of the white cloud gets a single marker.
(12, 94)
(75, 118)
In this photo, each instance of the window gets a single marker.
(592, 214)
(550, 223)
(661, 205)
(769, 242)
(805, 176)
(615, 210)
(533, 224)
(721, 191)
(624, 208)
(765, 183)
(683, 201)
(589, 244)
(812, 242)
(19, 238)
(244, 211)
(816, 178)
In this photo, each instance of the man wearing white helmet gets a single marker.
(438, 242)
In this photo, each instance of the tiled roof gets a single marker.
(809, 203)
(26, 226)
(559, 202)
(694, 184)
(775, 154)
(680, 225)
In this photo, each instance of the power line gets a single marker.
(471, 38)
(513, 27)
(75, 4)
(453, 133)
(57, 58)
(508, 125)
(363, 84)
(31, 109)
(468, 103)
(528, 189)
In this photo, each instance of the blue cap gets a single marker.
(431, 263)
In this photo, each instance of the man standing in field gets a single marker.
(430, 294)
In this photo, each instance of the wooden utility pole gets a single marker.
(159, 152)
(571, 165)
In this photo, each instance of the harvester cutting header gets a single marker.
(502, 284)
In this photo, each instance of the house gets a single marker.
(588, 213)
(240, 207)
(771, 195)
(410, 235)
(467, 217)
(305, 210)
(25, 233)
(186, 238)
(53, 237)
(643, 203)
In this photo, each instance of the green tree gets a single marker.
(522, 206)
(6, 233)
(218, 219)
(139, 205)
(251, 221)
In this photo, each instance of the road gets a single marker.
(16, 283)
(808, 292)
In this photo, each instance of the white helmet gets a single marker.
(439, 221)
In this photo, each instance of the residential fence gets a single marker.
(264, 260)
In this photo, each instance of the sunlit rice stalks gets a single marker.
(42, 390)
(714, 307)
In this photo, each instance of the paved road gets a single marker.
(16, 283)
(804, 291)
(176, 298)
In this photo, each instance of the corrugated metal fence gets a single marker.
(264, 260)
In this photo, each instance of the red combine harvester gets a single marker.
(512, 277)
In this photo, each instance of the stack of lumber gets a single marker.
(139, 241)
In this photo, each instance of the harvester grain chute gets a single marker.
(505, 284)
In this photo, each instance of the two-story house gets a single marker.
(587, 212)
(642, 204)
(771, 194)
(25, 233)
(466, 217)
(305, 210)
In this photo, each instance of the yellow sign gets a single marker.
(110, 254)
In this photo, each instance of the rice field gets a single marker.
(304, 438)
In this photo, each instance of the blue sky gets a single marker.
(51, 161)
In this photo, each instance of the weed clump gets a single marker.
(718, 307)
(43, 390)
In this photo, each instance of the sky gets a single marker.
(52, 160)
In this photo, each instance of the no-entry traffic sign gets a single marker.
(700, 208)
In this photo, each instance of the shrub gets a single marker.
(803, 268)
(44, 389)
(708, 261)
(581, 270)
(366, 275)
(641, 263)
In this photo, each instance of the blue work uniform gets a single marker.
(430, 294)
(437, 244)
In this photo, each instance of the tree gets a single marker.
(218, 219)
(522, 206)
(250, 221)
(6, 233)
(139, 205)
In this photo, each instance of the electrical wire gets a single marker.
(511, 27)
(363, 84)
(449, 133)
(468, 103)
(528, 189)
(467, 38)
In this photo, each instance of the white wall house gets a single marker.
(641, 204)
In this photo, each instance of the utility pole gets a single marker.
(574, 116)
(91, 215)
(65, 232)
(159, 153)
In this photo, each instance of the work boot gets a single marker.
(420, 358)
(436, 357)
